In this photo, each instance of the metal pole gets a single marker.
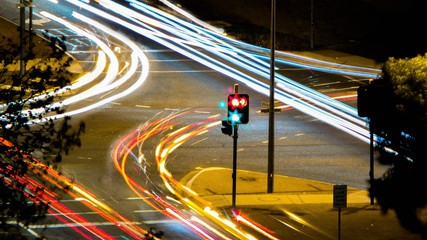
(235, 136)
(339, 223)
(312, 24)
(21, 36)
(371, 159)
(270, 168)
(30, 27)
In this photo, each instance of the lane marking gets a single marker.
(143, 106)
(183, 71)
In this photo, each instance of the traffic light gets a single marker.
(374, 99)
(364, 101)
(227, 129)
(238, 109)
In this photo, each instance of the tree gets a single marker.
(24, 103)
(398, 116)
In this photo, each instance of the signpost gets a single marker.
(340, 201)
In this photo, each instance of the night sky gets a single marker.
(372, 28)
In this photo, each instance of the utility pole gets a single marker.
(270, 168)
(30, 27)
(371, 158)
(312, 24)
(22, 5)
(21, 35)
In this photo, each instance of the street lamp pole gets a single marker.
(30, 27)
(312, 24)
(21, 36)
(270, 168)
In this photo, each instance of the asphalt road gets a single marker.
(305, 147)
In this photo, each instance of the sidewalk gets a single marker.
(252, 189)
(298, 209)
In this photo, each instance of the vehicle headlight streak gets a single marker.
(113, 68)
(107, 83)
(263, 69)
(293, 91)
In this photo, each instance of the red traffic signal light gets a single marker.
(238, 108)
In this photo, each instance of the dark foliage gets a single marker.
(20, 97)
(399, 119)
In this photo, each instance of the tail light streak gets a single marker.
(164, 148)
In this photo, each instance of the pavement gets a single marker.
(251, 189)
(298, 208)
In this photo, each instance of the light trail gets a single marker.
(76, 192)
(186, 196)
(39, 193)
(198, 204)
(218, 53)
(291, 93)
(107, 84)
(120, 155)
(227, 56)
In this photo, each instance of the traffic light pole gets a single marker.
(371, 159)
(234, 176)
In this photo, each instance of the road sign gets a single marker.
(340, 196)
(24, 4)
(266, 108)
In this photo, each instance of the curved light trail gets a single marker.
(111, 80)
(172, 140)
(231, 58)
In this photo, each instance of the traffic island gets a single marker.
(215, 186)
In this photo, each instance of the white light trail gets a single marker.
(107, 84)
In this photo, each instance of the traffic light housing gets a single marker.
(364, 101)
(373, 99)
(227, 128)
(238, 109)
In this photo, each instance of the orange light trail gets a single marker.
(164, 148)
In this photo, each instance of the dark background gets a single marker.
(376, 29)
